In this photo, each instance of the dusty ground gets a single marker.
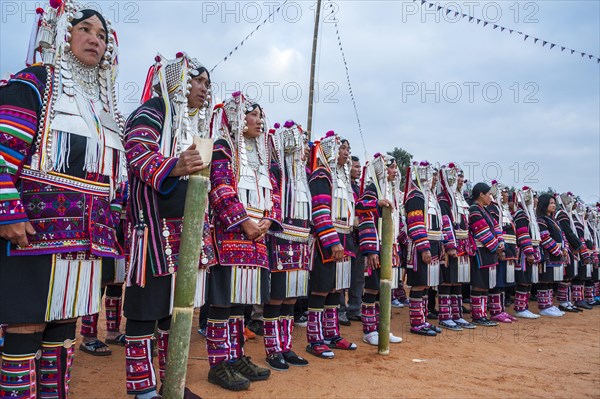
(541, 358)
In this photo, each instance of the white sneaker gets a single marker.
(526, 314)
(394, 339)
(558, 310)
(372, 338)
(552, 312)
(397, 304)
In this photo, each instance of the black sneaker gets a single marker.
(433, 315)
(277, 362)
(484, 322)
(251, 371)
(343, 320)
(294, 360)
(226, 377)
(301, 321)
(256, 326)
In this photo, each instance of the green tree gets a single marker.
(403, 159)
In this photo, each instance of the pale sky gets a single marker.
(440, 87)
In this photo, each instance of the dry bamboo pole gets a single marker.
(196, 199)
(385, 287)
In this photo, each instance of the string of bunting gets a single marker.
(511, 31)
(337, 31)
(249, 35)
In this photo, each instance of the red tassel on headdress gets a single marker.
(147, 91)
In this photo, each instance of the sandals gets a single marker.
(93, 348)
(320, 350)
(118, 340)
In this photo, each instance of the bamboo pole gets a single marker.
(196, 199)
(311, 89)
(385, 287)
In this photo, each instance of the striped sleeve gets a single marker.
(142, 147)
(449, 240)
(522, 230)
(320, 189)
(367, 217)
(19, 105)
(223, 192)
(415, 221)
(547, 242)
(481, 230)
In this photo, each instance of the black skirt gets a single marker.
(480, 277)
(322, 276)
(24, 284)
(449, 273)
(219, 285)
(153, 302)
(372, 282)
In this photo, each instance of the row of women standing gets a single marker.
(68, 161)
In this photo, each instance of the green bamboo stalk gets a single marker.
(196, 199)
(385, 286)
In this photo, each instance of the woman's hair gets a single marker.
(87, 14)
(543, 203)
(478, 189)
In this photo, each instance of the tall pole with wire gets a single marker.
(311, 90)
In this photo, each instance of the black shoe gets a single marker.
(277, 362)
(256, 326)
(294, 360)
(343, 320)
(226, 377)
(583, 305)
(301, 321)
(354, 318)
(533, 298)
(436, 329)
(251, 371)
(433, 315)
(422, 330)
(570, 309)
(484, 322)
(466, 310)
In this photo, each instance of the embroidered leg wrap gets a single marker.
(369, 313)
(477, 305)
(456, 302)
(425, 303)
(217, 335)
(577, 291)
(18, 372)
(589, 291)
(544, 297)
(563, 292)
(416, 315)
(112, 306)
(58, 351)
(272, 329)
(286, 326)
(236, 333)
(444, 303)
(521, 298)
(162, 341)
(495, 303)
(597, 288)
(141, 377)
(314, 326)
(331, 326)
(89, 326)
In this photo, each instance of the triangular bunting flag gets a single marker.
(430, 5)
(478, 21)
(495, 26)
(562, 48)
(439, 8)
(470, 18)
(591, 56)
(502, 29)
(545, 42)
(456, 13)
(572, 51)
(485, 23)
(448, 11)
(598, 60)
(511, 31)
(526, 36)
(552, 46)
(535, 40)
(582, 54)
(464, 15)
(422, 2)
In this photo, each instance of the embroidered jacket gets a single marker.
(70, 211)
(156, 200)
(551, 241)
(486, 233)
(228, 213)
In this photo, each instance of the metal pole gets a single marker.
(311, 90)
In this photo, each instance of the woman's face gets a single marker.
(199, 91)
(551, 207)
(486, 199)
(392, 172)
(343, 154)
(88, 41)
(254, 123)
